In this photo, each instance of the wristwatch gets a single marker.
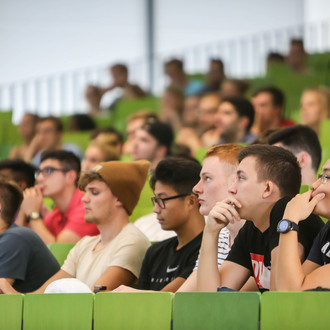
(286, 225)
(34, 215)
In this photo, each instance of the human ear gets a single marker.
(269, 189)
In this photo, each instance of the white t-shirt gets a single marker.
(150, 227)
(223, 247)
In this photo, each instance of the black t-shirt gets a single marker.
(25, 258)
(320, 251)
(252, 248)
(163, 263)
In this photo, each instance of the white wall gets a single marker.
(183, 23)
(316, 10)
(38, 37)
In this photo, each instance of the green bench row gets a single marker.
(161, 310)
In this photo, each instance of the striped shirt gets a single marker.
(223, 247)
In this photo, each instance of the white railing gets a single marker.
(63, 93)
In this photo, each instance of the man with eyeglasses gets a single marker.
(168, 263)
(114, 257)
(315, 271)
(57, 179)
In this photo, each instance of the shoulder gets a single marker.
(86, 242)
(17, 231)
(132, 234)
(279, 207)
(164, 245)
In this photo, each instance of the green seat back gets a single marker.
(137, 310)
(58, 311)
(124, 108)
(295, 310)
(11, 311)
(60, 251)
(216, 310)
(81, 139)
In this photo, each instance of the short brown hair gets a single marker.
(276, 164)
(11, 197)
(87, 178)
(57, 122)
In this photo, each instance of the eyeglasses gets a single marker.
(161, 201)
(47, 171)
(323, 178)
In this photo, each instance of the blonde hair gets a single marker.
(324, 94)
(109, 152)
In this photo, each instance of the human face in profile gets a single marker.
(212, 187)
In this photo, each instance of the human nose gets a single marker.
(85, 198)
(197, 189)
(156, 208)
(233, 187)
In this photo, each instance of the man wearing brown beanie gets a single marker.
(112, 190)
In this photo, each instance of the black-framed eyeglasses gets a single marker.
(161, 201)
(323, 178)
(47, 171)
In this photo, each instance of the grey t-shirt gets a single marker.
(25, 258)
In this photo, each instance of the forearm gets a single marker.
(289, 271)
(6, 286)
(208, 278)
(190, 285)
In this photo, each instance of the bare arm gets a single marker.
(274, 286)
(115, 276)
(209, 277)
(174, 285)
(65, 236)
(6, 284)
(290, 274)
(190, 283)
(33, 201)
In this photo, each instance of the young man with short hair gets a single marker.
(265, 176)
(269, 103)
(303, 142)
(115, 256)
(315, 271)
(152, 142)
(217, 174)
(57, 179)
(234, 119)
(19, 171)
(168, 263)
(49, 132)
(25, 261)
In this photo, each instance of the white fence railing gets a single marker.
(63, 93)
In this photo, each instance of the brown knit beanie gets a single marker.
(125, 180)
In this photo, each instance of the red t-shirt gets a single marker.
(73, 218)
(286, 123)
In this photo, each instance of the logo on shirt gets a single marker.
(170, 270)
(260, 271)
(96, 168)
(326, 249)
